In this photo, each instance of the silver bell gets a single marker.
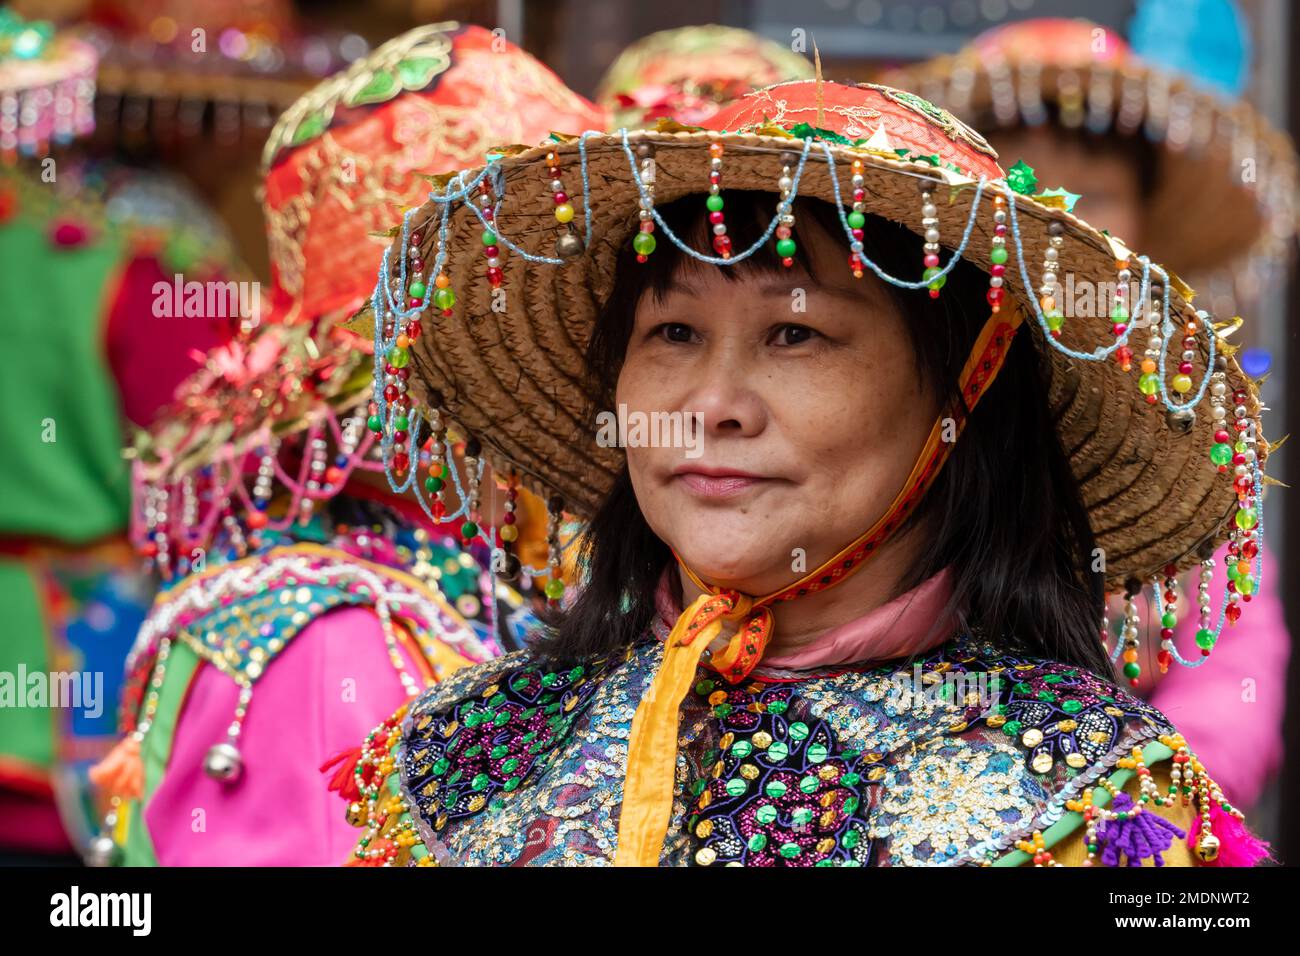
(568, 246)
(223, 763)
(102, 851)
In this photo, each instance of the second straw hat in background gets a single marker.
(687, 73)
(1224, 211)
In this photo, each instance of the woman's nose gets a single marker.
(723, 399)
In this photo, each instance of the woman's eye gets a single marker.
(792, 335)
(676, 332)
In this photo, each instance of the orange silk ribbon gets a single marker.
(652, 747)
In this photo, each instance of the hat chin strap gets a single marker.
(652, 745)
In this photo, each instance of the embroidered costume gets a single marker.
(299, 592)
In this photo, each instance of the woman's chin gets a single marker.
(747, 569)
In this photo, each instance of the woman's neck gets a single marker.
(801, 622)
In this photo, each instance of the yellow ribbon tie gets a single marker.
(652, 747)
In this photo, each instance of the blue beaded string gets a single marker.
(856, 247)
(1100, 354)
(701, 257)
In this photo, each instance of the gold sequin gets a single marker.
(1042, 762)
(1032, 737)
(762, 740)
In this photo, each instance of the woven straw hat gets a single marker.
(1223, 166)
(513, 375)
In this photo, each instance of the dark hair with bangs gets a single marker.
(1005, 513)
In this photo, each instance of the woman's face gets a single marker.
(802, 409)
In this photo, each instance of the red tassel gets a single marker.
(121, 773)
(1237, 845)
(344, 780)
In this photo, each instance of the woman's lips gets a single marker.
(718, 486)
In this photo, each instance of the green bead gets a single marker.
(798, 730)
(929, 276)
(469, 529)
(775, 789)
(489, 237)
(1246, 518)
(714, 203)
(1148, 384)
(742, 749)
(778, 751)
(375, 423)
(401, 423)
(417, 289)
(857, 220)
(757, 842)
(1205, 639)
(444, 298)
(809, 784)
(1168, 619)
(1055, 320)
(398, 358)
(998, 255)
(1221, 453)
(644, 243)
(766, 814)
(433, 485)
(1119, 313)
(736, 787)
(790, 850)
(1246, 584)
(785, 248)
(1132, 669)
(555, 589)
(1072, 706)
(817, 753)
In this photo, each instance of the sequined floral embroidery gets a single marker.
(459, 759)
(782, 792)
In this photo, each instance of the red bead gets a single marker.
(998, 269)
(417, 265)
(257, 519)
(642, 258)
(401, 462)
(858, 234)
(400, 438)
(561, 198)
(931, 260)
(495, 274)
(1185, 368)
(787, 262)
(1119, 328)
(413, 330)
(417, 238)
(390, 393)
(1249, 549)
(508, 518)
(994, 296)
(414, 303)
(715, 217)
(491, 252)
(333, 474)
(1222, 437)
(721, 244)
(1166, 633)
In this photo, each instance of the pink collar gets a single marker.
(912, 623)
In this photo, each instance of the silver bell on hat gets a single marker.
(223, 762)
(102, 851)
